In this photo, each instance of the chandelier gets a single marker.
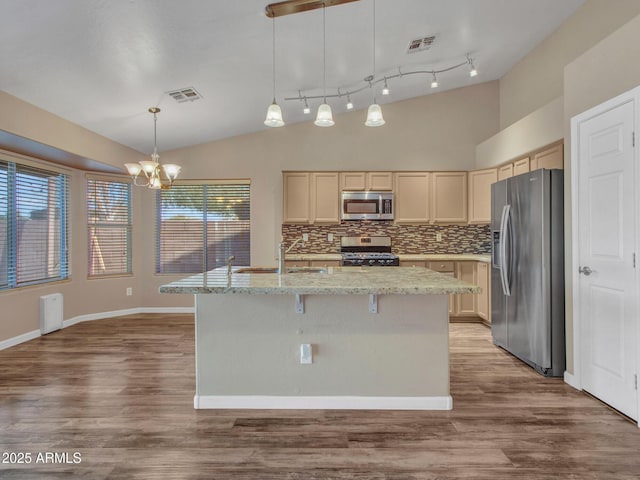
(151, 168)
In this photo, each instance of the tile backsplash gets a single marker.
(405, 239)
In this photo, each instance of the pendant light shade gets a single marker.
(274, 112)
(325, 116)
(274, 116)
(374, 116)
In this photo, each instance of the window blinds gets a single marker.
(33, 225)
(109, 227)
(200, 226)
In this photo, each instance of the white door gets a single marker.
(607, 285)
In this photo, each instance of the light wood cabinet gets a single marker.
(484, 297)
(480, 194)
(325, 198)
(466, 303)
(412, 263)
(521, 166)
(449, 197)
(325, 263)
(310, 197)
(296, 263)
(366, 181)
(412, 197)
(505, 171)
(446, 268)
(296, 197)
(552, 157)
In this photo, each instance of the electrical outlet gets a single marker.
(305, 237)
(129, 291)
(330, 237)
(438, 237)
(306, 353)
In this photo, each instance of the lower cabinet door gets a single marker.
(466, 303)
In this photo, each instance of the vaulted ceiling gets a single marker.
(103, 63)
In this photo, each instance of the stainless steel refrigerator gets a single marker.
(527, 274)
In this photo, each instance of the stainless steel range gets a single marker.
(367, 251)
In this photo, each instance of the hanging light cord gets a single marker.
(155, 134)
(274, 58)
(324, 52)
(374, 50)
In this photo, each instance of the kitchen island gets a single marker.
(371, 338)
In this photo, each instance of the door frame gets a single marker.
(633, 96)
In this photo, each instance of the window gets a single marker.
(33, 225)
(200, 226)
(109, 227)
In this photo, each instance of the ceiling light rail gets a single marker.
(371, 81)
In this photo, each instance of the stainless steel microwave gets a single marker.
(367, 206)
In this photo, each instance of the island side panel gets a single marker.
(249, 346)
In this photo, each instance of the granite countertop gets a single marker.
(334, 281)
(410, 257)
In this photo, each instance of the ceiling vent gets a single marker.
(421, 44)
(187, 94)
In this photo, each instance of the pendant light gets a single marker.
(151, 168)
(374, 113)
(324, 117)
(274, 113)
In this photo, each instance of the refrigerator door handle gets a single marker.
(504, 271)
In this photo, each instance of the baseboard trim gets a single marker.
(122, 313)
(25, 337)
(273, 402)
(571, 380)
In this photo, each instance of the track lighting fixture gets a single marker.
(434, 81)
(472, 69)
(385, 89)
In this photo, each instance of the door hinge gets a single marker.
(633, 139)
(634, 260)
(636, 380)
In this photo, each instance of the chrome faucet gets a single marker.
(282, 253)
(230, 259)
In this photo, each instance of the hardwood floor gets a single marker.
(120, 393)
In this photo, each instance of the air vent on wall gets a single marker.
(187, 94)
(421, 44)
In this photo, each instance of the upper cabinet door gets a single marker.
(379, 181)
(366, 181)
(521, 166)
(325, 197)
(506, 171)
(449, 197)
(412, 197)
(480, 194)
(295, 206)
(352, 181)
(552, 157)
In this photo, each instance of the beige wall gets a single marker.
(538, 78)
(435, 132)
(608, 69)
(540, 128)
(20, 307)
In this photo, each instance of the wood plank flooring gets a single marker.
(120, 393)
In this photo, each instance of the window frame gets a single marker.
(158, 271)
(15, 165)
(127, 226)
